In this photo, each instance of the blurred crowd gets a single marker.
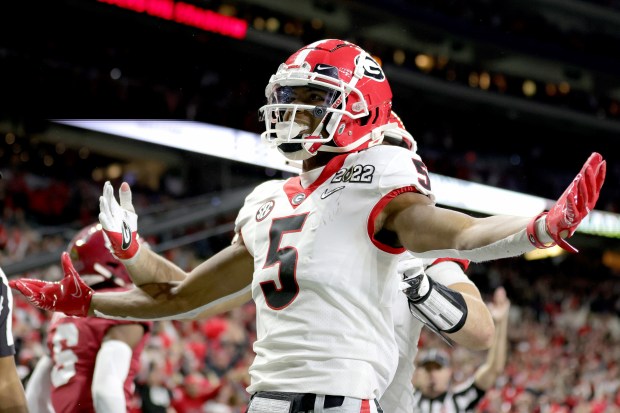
(564, 345)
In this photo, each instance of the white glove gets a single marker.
(119, 222)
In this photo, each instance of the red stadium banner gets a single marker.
(186, 14)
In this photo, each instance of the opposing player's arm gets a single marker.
(39, 386)
(224, 276)
(112, 366)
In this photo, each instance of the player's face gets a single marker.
(304, 95)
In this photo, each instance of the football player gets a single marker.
(319, 251)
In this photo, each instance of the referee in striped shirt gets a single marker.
(12, 396)
(433, 391)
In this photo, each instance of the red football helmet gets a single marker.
(92, 259)
(357, 103)
(396, 133)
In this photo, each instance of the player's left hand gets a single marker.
(574, 205)
(577, 201)
(69, 295)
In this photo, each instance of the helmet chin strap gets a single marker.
(375, 137)
(289, 130)
(300, 151)
(301, 154)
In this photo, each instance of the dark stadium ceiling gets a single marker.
(548, 40)
(492, 35)
(495, 35)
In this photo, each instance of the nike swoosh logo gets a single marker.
(126, 233)
(329, 192)
(78, 289)
(322, 67)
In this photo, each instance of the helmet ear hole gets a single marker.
(366, 120)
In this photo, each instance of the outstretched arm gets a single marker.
(225, 276)
(431, 231)
(150, 269)
(222, 277)
(145, 267)
(486, 374)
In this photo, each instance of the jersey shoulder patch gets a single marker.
(404, 168)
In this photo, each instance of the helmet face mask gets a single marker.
(356, 100)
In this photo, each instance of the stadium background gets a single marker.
(510, 94)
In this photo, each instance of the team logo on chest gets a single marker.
(264, 210)
(298, 198)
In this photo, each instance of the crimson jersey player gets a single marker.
(92, 361)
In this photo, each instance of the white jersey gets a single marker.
(399, 396)
(323, 286)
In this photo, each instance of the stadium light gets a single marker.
(247, 147)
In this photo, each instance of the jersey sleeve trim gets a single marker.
(375, 212)
(462, 262)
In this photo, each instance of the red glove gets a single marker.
(574, 205)
(69, 295)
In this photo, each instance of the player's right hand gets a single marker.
(119, 221)
(69, 295)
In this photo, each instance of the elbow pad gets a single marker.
(441, 306)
